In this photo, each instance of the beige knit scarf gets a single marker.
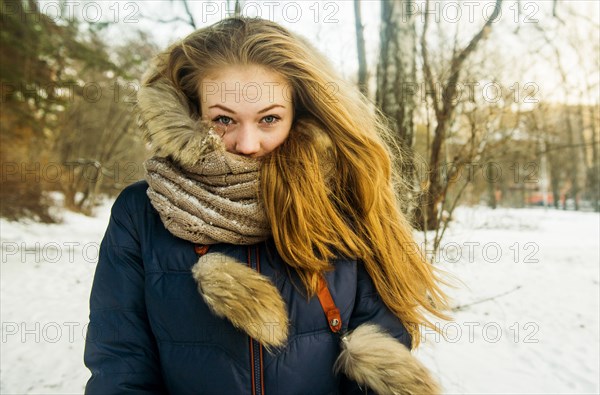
(214, 201)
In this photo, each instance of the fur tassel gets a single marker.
(243, 296)
(377, 360)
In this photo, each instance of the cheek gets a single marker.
(280, 137)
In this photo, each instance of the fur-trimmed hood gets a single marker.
(169, 127)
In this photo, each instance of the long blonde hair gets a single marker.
(329, 189)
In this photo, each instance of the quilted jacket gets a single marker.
(151, 332)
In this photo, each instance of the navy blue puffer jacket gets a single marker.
(151, 332)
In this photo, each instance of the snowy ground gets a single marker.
(542, 334)
(530, 321)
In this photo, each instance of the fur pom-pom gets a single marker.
(245, 297)
(377, 360)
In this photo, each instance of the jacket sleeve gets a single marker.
(120, 349)
(370, 308)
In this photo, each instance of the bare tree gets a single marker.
(588, 113)
(95, 140)
(188, 17)
(237, 10)
(427, 213)
(396, 77)
(98, 143)
(396, 71)
(573, 117)
(360, 49)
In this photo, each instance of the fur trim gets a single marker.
(377, 360)
(169, 127)
(244, 296)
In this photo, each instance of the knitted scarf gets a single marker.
(214, 201)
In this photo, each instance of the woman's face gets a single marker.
(250, 106)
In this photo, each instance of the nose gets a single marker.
(247, 141)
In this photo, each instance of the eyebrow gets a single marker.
(233, 112)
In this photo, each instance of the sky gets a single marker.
(527, 62)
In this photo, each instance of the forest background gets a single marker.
(493, 102)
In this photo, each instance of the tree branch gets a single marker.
(426, 66)
(462, 307)
(458, 61)
(189, 14)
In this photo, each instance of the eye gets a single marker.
(270, 119)
(223, 120)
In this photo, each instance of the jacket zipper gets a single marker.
(256, 349)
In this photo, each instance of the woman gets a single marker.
(265, 251)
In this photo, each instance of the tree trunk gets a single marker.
(554, 169)
(594, 175)
(573, 164)
(396, 82)
(396, 71)
(361, 51)
(491, 186)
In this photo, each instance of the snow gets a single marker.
(542, 334)
(46, 274)
(529, 321)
